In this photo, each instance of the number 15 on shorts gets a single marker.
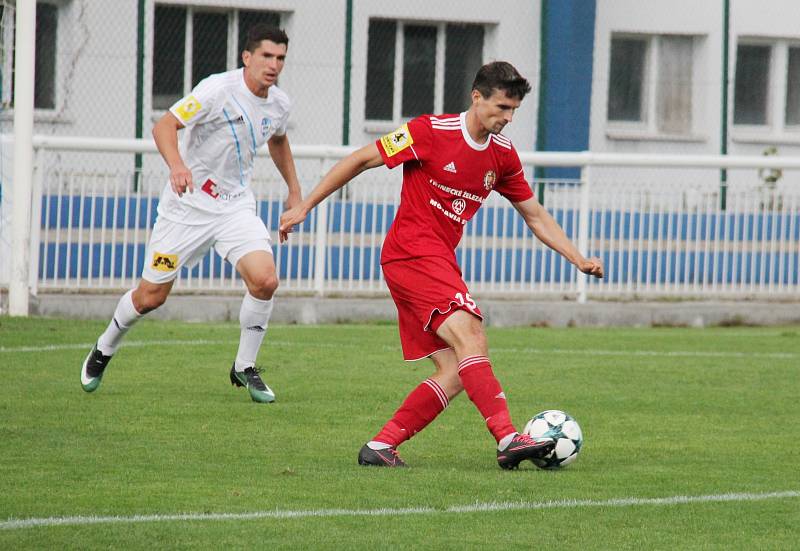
(466, 300)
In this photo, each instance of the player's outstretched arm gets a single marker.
(165, 134)
(342, 172)
(281, 154)
(547, 230)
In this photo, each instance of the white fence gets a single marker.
(664, 226)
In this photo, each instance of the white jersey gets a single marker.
(225, 125)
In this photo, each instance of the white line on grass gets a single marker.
(564, 351)
(668, 353)
(88, 345)
(12, 524)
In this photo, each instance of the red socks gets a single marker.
(429, 399)
(485, 392)
(419, 408)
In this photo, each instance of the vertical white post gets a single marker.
(23, 157)
(321, 241)
(583, 228)
(36, 220)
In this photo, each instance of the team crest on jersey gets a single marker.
(397, 141)
(188, 108)
(265, 124)
(459, 205)
(165, 262)
(489, 179)
(211, 188)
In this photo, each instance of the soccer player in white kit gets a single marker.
(208, 201)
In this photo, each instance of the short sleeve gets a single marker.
(513, 185)
(412, 141)
(197, 106)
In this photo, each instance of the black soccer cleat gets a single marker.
(386, 457)
(524, 447)
(92, 369)
(250, 378)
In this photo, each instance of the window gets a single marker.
(674, 86)
(169, 42)
(462, 59)
(626, 79)
(752, 84)
(767, 85)
(650, 82)
(419, 68)
(209, 45)
(380, 70)
(793, 88)
(179, 64)
(44, 79)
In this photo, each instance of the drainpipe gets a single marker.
(723, 174)
(541, 119)
(348, 47)
(137, 160)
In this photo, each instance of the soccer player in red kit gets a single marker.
(450, 165)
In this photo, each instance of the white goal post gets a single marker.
(25, 46)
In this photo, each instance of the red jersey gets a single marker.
(446, 178)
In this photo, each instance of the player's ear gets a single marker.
(475, 95)
(246, 57)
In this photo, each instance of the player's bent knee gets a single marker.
(147, 298)
(152, 301)
(264, 287)
(464, 331)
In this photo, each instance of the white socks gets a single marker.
(253, 320)
(124, 317)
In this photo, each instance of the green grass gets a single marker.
(665, 412)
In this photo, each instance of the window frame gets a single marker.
(232, 55)
(646, 81)
(387, 125)
(648, 127)
(42, 114)
(769, 114)
(776, 129)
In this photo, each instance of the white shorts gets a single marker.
(174, 245)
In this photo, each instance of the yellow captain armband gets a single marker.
(188, 108)
(395, 142)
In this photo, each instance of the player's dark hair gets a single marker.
(500, 75)
(260, 32)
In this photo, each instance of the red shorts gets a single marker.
(426, 291)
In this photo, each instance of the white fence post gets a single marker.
(583, 228)
(24, 49)
(36, 220)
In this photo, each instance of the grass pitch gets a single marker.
(690, 442)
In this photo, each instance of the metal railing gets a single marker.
(663, 225)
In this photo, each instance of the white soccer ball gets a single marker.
(562, 428)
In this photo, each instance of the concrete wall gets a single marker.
(498, 313)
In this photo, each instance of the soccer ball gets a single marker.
(562, 428)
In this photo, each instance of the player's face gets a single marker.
(496, 111)
(263, 66)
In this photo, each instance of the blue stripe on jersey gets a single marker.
(238, 149)
(249, 122)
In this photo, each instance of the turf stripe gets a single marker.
(302, 343)
(12, 524)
